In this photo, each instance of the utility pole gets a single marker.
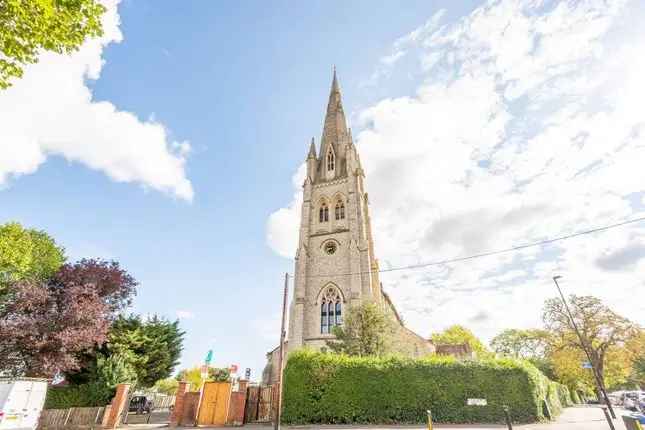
(596, 375)
(278, 411)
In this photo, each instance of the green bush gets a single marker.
(338, 389)
(71, 396)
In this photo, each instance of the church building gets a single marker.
(335, 265)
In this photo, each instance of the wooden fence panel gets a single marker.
(71, 418)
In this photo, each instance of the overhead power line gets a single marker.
(488, 253)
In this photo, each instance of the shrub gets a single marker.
(72, 396)
(338, 389)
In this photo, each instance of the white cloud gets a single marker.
(184, 314)
(51, 112)
(525, 125)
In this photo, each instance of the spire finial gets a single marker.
(312, 149)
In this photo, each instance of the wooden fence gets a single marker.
(71, 418)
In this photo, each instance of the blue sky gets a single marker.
(174, 149)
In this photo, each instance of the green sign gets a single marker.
(209, 357)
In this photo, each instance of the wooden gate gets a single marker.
(265, 409)
(251, 409)
(213, 409)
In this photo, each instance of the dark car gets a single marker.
(140, 405)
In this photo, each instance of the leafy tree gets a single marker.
(27, 27)
(42, 328)
(115, 369)
(112, 283)
(167, 386)
(524, 344)
(457, 334)
(27, 255)
(52, 326)
(152, 347)
(602, 331)
(367, 330)
(193, 376)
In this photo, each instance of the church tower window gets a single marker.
(340, 210)
(323, 214)
(330, 310)
(331, 162)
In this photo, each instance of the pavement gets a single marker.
(576, 418)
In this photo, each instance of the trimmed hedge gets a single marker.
(337, 389)
(78, 396)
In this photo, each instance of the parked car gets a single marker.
(141, 405)
(21, 401)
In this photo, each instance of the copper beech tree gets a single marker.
(45, 325)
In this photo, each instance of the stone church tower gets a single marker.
(335, 265)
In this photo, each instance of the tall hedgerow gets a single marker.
(338, 389)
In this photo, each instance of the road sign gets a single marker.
(476, 402)
(209, 357)
(247, 373)
(233, 369)
(586, 365)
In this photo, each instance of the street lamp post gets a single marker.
(599, 383)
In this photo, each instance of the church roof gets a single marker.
(335, 127)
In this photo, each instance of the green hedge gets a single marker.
(71, 396)
(338, 389)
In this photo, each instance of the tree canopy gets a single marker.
(457, 334)
(48, 326)
(367, 330)
(155, 346)
(28, 27)
(601, 329)
(526, 344)
(27, 255)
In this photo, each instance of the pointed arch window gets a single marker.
(331, 310)
(331, 160)
(339, 210)
(323, 213)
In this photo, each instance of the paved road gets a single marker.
(578, 418)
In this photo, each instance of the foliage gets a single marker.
(154, 346)
(526, 344)
(112, 283)
(50, 326)
(602, 330)
(27, 27)
(44, 326)
(193, 376)
(338, 389)
(219, 374)
(457, 334)
(27, 255)
(167, 386)
(86, 395)
(115, 369)
(367, 330)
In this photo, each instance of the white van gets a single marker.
(21, 401)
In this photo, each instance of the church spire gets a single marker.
(335, 128)
(312, 149)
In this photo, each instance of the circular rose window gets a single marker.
(330, 247)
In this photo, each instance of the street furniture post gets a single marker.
(507, 416)
(429, 419)
(278, 412)
(608, 418)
